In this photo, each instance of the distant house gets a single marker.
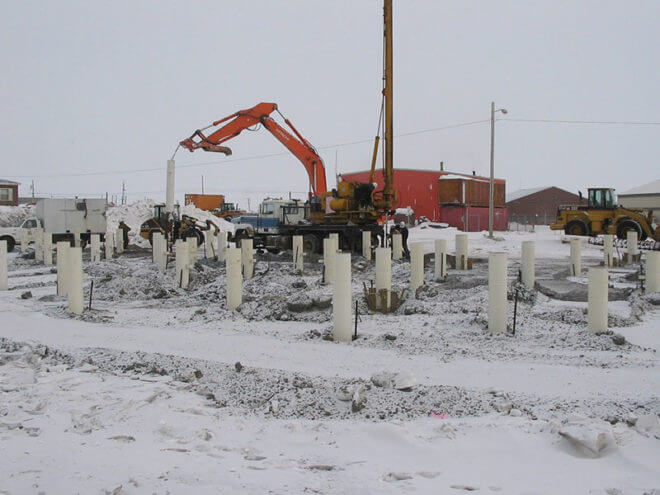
(539, 205)
(8, 193)
(646, 197)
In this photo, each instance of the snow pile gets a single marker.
(12, 216)
(136, 213)
(203, 216)
(132, 214)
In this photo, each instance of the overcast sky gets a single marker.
(98, 87)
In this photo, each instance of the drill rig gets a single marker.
(350, 208)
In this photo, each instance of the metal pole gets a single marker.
(388, 93)
(492, 170)
(515, 310)
(356, 320)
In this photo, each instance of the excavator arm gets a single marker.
(260, 114)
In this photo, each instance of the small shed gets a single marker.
(464, 202)
(8, 193)
(646, 197)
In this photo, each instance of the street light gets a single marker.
(491, 199)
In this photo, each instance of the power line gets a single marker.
(348, 143)
(453, 126)
(246, 158)
(606, 122)
(178, 191)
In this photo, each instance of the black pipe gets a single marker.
(515, 309)
(356, 321)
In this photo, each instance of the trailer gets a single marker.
(272, 228)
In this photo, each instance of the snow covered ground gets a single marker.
(161, 390)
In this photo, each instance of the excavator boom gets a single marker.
(260, 114)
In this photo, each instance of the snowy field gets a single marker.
(161, 390)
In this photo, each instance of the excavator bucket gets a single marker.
(215, 148)
(204, 144)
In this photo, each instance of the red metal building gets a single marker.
(420, 190)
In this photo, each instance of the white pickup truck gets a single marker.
(62, 218)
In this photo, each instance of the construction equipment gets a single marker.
(207, 202)
(175, 226)
(350, 208)
(215, 203)
(347, 210)
(350, 202)
(603, 216)
(227, 211)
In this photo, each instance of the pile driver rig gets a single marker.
(348, 209)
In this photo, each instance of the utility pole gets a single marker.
(32, 189)
(123, 192)
(336, 175)
(202, 184)
(491, 195)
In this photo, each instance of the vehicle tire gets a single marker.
(311, 244)
(626, 225)
(193, 233)
(239, 235)
(10, 243)
(576, 227)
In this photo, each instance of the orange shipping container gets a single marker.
(206, 202)
(469, 192)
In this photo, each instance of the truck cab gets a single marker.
(266, 226)
(13, 234)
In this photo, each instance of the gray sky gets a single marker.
(113, 86)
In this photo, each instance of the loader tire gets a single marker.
(576, 227)
(624, 226)
(311, 244)
(193, 233)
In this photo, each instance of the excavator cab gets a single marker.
(602, 198)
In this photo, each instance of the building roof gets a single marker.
(6, 182)
(650, 188)
(521, 193)
(439, 173)
(452, 175)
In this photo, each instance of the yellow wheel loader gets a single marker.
(603, 216)
(174, 226)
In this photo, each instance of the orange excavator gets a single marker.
(260, 114)
(351, 202)
(350, 208)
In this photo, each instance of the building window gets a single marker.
(6, 194)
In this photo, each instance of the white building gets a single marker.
(646, 197)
